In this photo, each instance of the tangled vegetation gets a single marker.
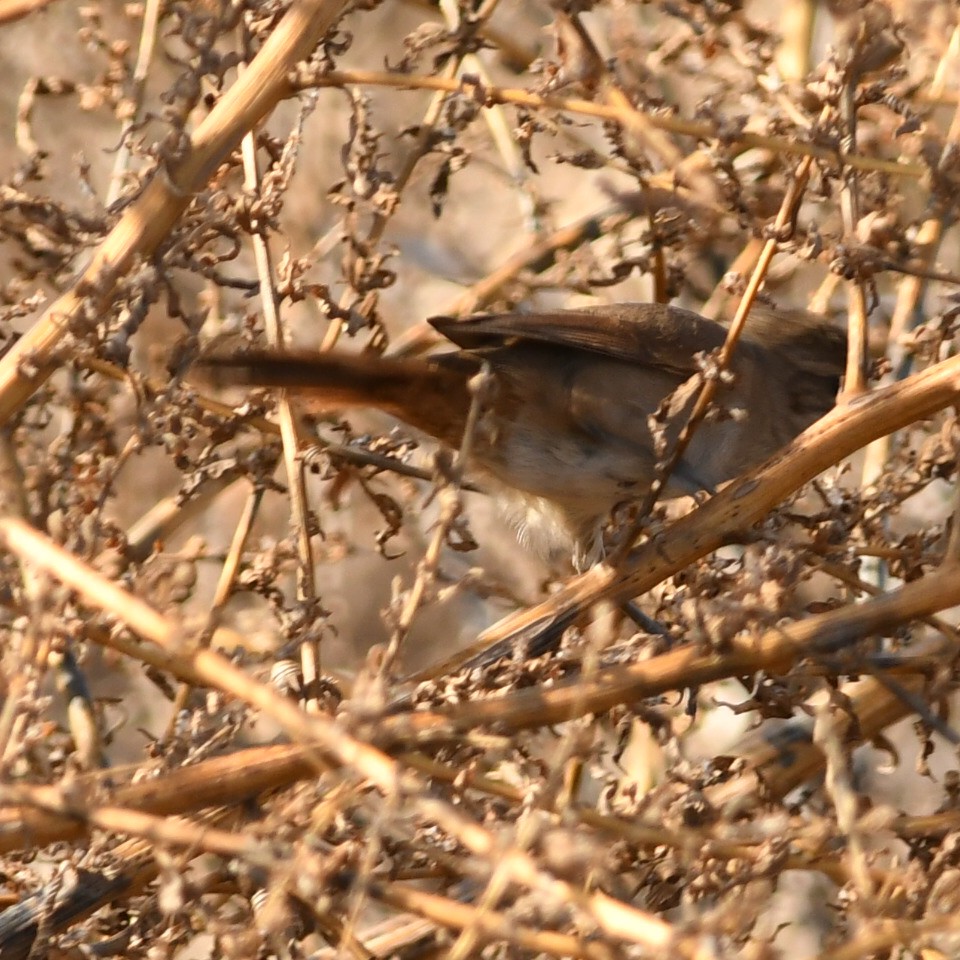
(281, 686)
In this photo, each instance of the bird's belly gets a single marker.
(595, 475)
(588, 476)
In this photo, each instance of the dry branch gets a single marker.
(36, 816)
(691, 666)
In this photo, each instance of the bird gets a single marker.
(584, 403)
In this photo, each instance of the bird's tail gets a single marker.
(431, 396)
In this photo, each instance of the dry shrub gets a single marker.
(213, 739)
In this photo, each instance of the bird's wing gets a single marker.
(646, 334)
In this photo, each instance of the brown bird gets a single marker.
(571, 430)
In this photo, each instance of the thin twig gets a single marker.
(289, 432)
(677, 125)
